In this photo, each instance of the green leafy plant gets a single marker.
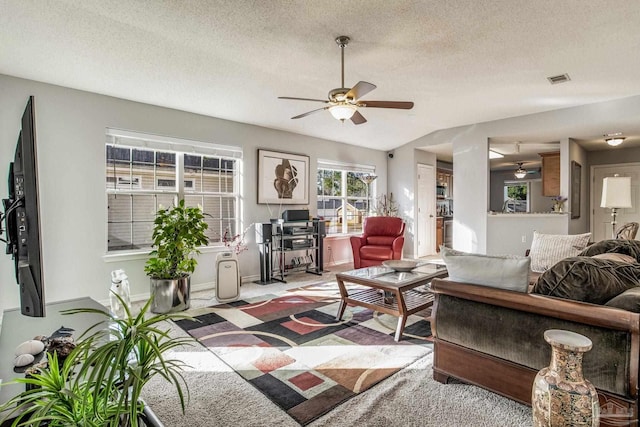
(99, 384)
(177, 234)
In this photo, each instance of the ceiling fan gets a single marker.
(522, 172)
(343, 102)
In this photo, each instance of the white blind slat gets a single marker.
(349, 167)
(167, 143)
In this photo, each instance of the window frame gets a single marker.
(512, 183)
(180, 147)
(344, 198)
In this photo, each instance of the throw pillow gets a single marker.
(612, 256)
(628, 300)
(588, 279)
(548, 249)
(504, 272)
(620, 246)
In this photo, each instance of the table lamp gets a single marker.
(616, 194)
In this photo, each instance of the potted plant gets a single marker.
(100, 382)
(177, 234)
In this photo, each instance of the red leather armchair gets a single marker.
(382, 239)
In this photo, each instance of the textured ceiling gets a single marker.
(459, 61)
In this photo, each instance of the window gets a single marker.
(145, 173)
(344, 197)
(516, 197)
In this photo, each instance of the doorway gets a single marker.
(426, 207)
(601, 218)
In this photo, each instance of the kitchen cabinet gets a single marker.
(550, 174)
(439, 232)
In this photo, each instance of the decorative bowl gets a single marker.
(400, 264)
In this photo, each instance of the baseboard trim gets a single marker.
(206, 286)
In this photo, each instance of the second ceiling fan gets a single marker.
(343, 103)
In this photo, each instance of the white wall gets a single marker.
(471, 189)
(404, 165)
(511, 234)
(70, 130)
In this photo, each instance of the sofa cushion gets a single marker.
(613, 256)
(381, 240)
(620, 246)
(505, 272)
(383, 226)
(548, 249)
(588, 279)
(380, 253)
(628, 300)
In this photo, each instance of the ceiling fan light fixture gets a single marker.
(520, 172)
(342, 111)
(615, 141)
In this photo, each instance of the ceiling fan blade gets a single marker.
(360, 90)
(358, 118)
(303, 99)
(309, 112)
(388, 104)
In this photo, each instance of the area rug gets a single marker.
(291, 347)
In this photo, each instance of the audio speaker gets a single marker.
(322, 232)
(296, 215)
(264, 232)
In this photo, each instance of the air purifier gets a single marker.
(227, 277)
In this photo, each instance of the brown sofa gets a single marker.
(488, 335)
(493, 338)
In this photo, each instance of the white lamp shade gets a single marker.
(616, 192)
(342, 111)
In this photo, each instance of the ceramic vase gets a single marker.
(560, 395)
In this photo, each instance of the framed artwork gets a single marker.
(576, 171)
(283, 178)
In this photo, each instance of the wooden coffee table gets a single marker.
(388, 291)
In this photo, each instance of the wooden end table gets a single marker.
(380, 282)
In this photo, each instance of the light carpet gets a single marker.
(221, 397)
(292, 348)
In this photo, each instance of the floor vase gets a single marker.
(560, 395)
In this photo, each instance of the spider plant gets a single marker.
(101, 381)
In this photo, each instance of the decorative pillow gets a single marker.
(619, 246)
(504, 272)
(628, 300)
(613, 256)
(548, 249)
(588, 279)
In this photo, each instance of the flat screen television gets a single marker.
(22, 218)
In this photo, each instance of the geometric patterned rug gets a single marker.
(291, 347)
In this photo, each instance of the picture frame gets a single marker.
(576, 183)
(283, 178)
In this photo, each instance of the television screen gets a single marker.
(23, 220)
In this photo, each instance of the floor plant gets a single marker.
(101, 381)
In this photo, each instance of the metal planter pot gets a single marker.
(170, 294)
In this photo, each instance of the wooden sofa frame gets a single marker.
(514, 380)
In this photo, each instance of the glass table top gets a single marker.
(388, 275)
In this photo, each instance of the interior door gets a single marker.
(601, 217)
(426, 207)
